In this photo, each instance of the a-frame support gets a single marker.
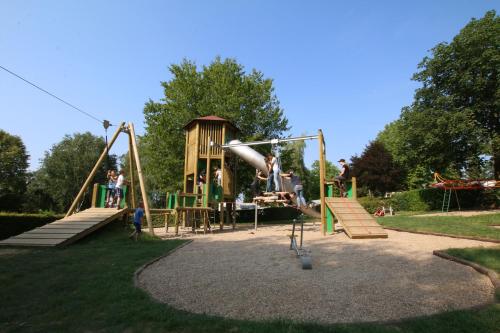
(134, 160)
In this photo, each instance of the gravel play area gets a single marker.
(246, 275)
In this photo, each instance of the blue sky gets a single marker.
(343, 66)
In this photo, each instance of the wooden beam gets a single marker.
(131, 170)
(95, 190)
(208, 172)
(322, 180)
(141, 178)
(94, 170)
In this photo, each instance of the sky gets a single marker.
(342, 66)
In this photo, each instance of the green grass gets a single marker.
(473, 226)
(487, 257)
(88, 287)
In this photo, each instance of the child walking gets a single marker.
(138, 219)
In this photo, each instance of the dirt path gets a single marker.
(255, 276)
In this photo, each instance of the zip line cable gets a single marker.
(105, 123)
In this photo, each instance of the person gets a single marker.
(297, 186)
(276, 173)
(342, 177)
(270, 176)
(202, 179)
(138, 219)
(120, 182)
(218, 176)
(255, 186)
(110, 190)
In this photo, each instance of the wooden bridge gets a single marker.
(357, 222)
(67, 230)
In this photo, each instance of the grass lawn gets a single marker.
(88, 287)
(472, 226)
(487, 257)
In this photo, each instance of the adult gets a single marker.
(297, 186)
(270, 176)
(275, 169)
(342, 177)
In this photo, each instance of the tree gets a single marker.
(313, 190)
(292, 158)
(13, 174)
(64, 170)
(454, 122)
(376, 170)
(222, 89)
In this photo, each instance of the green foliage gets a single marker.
(222, 89)
(376, 170)
(13, 175)
(371, 204)
(453, 123)
(432, 199)
(13, 224)
(312, 192)
(64, 170)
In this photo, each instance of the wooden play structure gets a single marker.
(76, 225)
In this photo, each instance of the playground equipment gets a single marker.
(454, 185)
(77, 225)
(304, 255)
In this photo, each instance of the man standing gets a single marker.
(342, 177)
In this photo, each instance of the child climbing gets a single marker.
(255, 186)
(297, 186)
(342, 177)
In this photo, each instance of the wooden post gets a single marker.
(141, 179)
(208, 172)
(322, 180)
(221, 215)
(95, 190)
(222, 161)
(256, 212)
(94, 171)
(354, 188)
(186, 159)
(131, 170)
(196, 158)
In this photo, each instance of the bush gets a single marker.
(371, 204)
(432, 199)
(12, 224)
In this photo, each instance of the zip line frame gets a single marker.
(133, 160)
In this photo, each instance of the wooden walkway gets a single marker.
(355, 219)
(67, 230)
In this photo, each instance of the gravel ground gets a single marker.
(246, 275)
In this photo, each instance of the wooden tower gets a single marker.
(203, 153)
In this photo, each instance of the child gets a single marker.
(138, 219)
(298, 188)
(110, 191)
(218, 176)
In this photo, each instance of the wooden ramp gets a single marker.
(355, 219)
(67, 230)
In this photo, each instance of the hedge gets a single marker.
(432, 199)
(12, 224)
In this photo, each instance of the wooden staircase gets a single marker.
(67, 230)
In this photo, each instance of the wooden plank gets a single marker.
(55, 231)
(32, 242)
(64, 226)
(42, 236)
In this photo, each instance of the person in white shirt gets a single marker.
(218, 176)
(276, 174)
(120, 182)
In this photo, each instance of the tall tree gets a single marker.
(454, 121)
(65, 168)
(313, 190)
(222, 89)
(13, 175)
(376, 170)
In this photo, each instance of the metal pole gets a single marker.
(301, 232)
(255, 215)
(272, 141)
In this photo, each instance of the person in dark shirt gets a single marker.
(342, 177)
(255, 186)
(297, 186)
(138, 218)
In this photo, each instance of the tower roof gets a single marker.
(210, 119)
